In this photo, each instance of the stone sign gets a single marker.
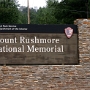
(38, 44)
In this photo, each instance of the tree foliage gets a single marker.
(67, 11)
(8, 11)
(64, 12)
(45, 16)
(55, 12)
(23, 15)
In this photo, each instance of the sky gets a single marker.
(33, 3)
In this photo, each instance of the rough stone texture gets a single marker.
(52, 77)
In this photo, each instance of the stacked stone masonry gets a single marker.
(52, 77)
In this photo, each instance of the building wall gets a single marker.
(52, 77)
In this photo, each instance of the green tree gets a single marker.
(23, 15)
(45, 16)
(9, 11)
(68, 10)
(33, 16)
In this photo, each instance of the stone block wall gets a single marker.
(52, 77)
